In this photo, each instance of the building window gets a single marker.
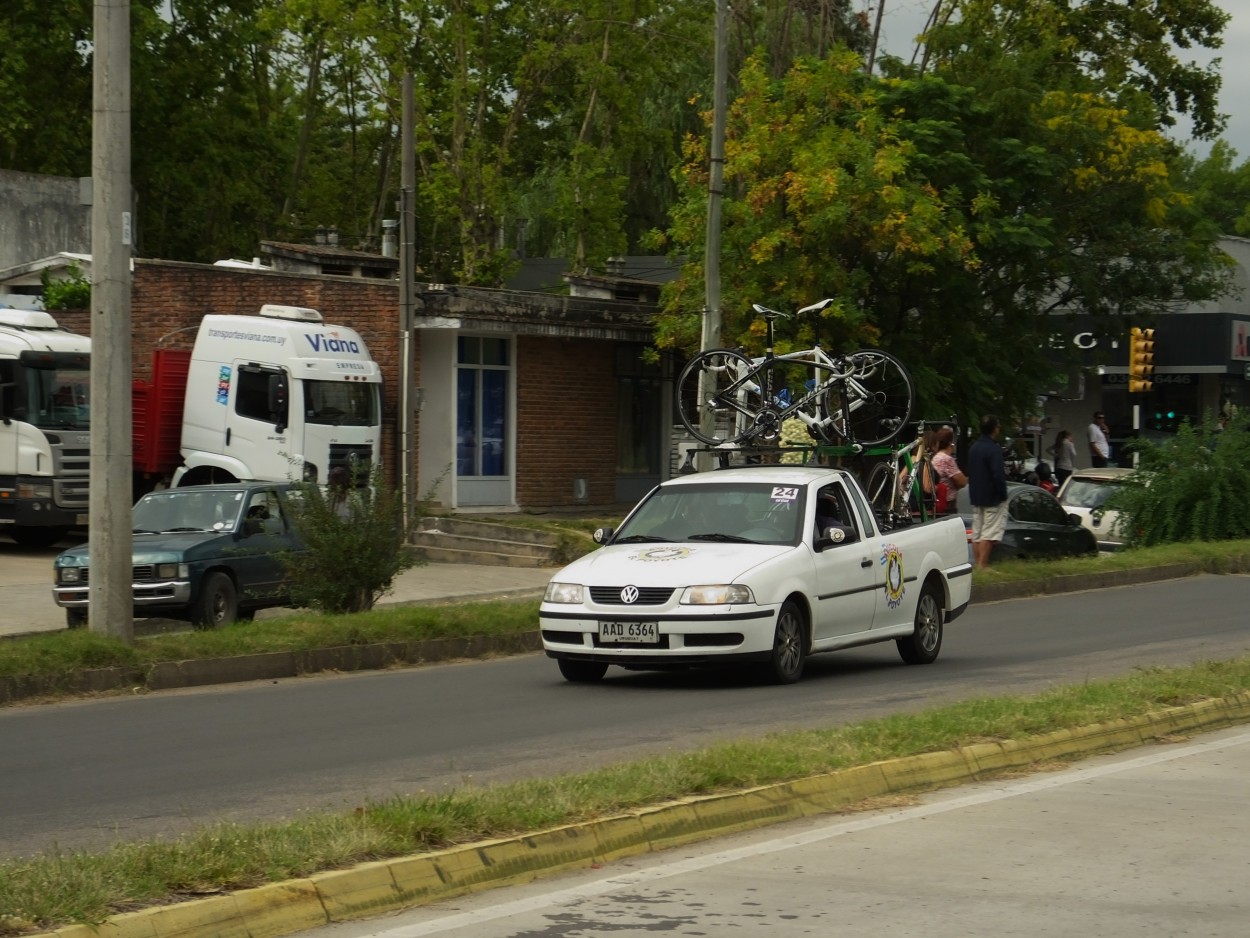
(482, 372)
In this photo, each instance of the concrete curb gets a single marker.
(392, 885)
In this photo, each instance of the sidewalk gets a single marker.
(26, 604)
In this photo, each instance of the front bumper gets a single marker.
(167, 593)
(695, 635)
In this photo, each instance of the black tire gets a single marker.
(76, 618)
(925, 641)
(872, 405)
(882, 488)
(217, 604)
(582, 672)
(785, 664)
(734, 416)
(38, 537)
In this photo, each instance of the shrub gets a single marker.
(357, 542)
(72, 293)
(1189, 488)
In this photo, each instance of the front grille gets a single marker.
(144, 571)
(647, 595)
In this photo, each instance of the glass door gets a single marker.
(483, 425)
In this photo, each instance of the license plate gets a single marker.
(636, 633)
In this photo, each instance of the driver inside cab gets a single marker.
(830, 518)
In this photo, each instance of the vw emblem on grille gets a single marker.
(629, 595)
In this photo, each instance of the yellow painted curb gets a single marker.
(391, 885)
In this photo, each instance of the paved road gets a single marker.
(89, 773)
(1154, 841)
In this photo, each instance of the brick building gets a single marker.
(523, 400)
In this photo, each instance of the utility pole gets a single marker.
(407, 277)
(109, 508)
(711, 334)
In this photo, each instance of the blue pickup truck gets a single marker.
(208, 554)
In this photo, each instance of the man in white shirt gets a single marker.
(1099, 447)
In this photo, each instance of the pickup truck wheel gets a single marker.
(75, 618)
(582, 672)
(218, 603)
(925, 641)
(785, 666)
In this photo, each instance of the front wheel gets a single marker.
(925, 641)
(713, 401)
(871, 404)
(785, 665)
(218, 603)
(582, 672)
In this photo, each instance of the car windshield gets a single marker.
(187, 509)
(341, 404)
(743, 512)
(1087, 493)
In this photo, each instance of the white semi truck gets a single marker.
(272, 397)
(45, 404)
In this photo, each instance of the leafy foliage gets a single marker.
(1189, 488)
(74, 292)
(357, 542)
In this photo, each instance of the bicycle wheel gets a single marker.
(714, 404)
(882, 489)
(871, 404)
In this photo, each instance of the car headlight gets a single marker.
(30, 490)
(169, 571)
(718, 595)
(563, 593)
(69, 574)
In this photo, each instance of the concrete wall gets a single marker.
(41, 216)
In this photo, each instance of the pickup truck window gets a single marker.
(755, 512)
(187, 509)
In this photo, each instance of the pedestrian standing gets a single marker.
(950, 478)
(987, 490)
(1099, 441)
(1064, 451)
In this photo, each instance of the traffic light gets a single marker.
(1141, 359)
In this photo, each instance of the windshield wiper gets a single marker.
(144, 531)
(730, 538)
(642, 539)
(180, 530)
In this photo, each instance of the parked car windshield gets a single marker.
(1087, 493)
(749, 512)
(188, 509)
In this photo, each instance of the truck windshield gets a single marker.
(341, 403)
(750, 512)
(187, 509)
(57, 398)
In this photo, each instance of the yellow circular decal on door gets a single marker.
(892, 558)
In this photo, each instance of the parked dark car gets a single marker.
(208, 554)
(1037, 525)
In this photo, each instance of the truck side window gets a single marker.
(253, 399)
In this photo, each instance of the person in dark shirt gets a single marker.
(987, 490)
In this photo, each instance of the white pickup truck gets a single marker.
(763, 564)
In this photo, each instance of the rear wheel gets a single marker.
(925, 641)
(582, 672)
(218, 603)
(785, 665)
(708, 388)
(872, 404)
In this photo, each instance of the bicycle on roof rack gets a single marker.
(860, 399)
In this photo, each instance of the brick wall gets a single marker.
(566, 421)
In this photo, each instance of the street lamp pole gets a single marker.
(407, 286)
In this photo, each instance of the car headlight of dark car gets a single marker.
(170, 571)
(69, 575)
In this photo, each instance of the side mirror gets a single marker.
(831, 537)
(1074, 519)
(602, 535)
(252, 526)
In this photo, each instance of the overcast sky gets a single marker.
(904, 19)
